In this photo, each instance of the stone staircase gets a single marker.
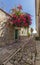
(21, 53)
(38, 52)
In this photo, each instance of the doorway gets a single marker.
(16, 34)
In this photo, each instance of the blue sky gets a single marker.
(28, 6)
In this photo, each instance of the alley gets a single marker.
(38, 52)
(20, 53)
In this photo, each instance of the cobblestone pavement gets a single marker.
(38, 52)
(20, 53)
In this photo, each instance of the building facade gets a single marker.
(37, 8)
(8, 33)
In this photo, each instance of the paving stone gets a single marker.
(38, 52)
(37, 62)
(23, 56)
(9, 63)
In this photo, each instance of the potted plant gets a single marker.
(19, 18)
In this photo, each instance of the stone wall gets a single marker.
(9, 34)
(6, 33)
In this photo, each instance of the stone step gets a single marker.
(37, 62)
(9, 63)
(4, 56)
(17, 52)
(38, 58)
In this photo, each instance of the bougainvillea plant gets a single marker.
(19, 18)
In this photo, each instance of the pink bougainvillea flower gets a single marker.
(19, 18)
(24, 19)
(14, 15)
(29, 16)
(26, 25)
(30, 22)
(18, 25)
(15, 21)
(21, 15)
(19, 7)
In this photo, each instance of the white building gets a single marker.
(9, 33)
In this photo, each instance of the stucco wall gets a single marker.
(23, 32)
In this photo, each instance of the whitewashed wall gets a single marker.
(23, 32)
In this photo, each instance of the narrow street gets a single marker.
(20, 53)
(38, 52)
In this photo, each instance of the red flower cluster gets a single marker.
(22, 19)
